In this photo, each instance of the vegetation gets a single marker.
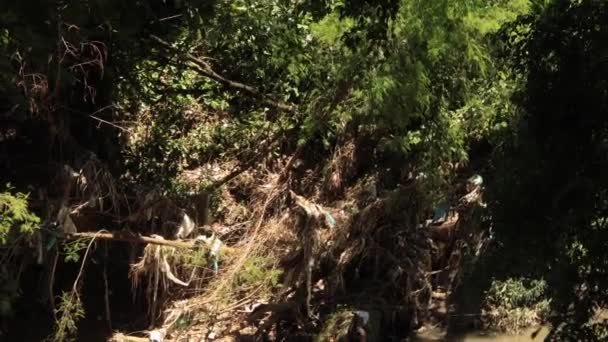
(256, 274)
(514, 304)
(16, 222)
(336, 327)
(69, 312)
(317, 141)
(15, 216)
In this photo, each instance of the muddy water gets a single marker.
(529, 335)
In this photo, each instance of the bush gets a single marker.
(513, 304)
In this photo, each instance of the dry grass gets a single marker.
(255, 238)
(340, 169)
(98, 187)
(225, 292)
(149, 271)
(272, 236)
(161, 268)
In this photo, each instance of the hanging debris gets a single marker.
(186, 227)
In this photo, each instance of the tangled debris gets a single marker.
(380, 261)
(277, 263)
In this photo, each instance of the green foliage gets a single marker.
(417, 89)
(418, 80)
(549, 196)
(517, 292)
(16, 221)
(68, 313)
(198, 257)
(514, 304)
(424, 82)
(259, 272)
(490, 113)
(331, 28)
(336, 326)
(492, 15)
(72, 249)
(14, 214)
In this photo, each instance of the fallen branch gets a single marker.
(131, 237)
(205, 69)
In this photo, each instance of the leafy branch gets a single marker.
(14, 213)
(206, 70)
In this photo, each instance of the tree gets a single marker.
(550, 194)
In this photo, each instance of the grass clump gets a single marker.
(259, 272)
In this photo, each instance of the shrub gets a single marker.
(513, 304)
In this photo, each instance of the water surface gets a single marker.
(528, 335)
